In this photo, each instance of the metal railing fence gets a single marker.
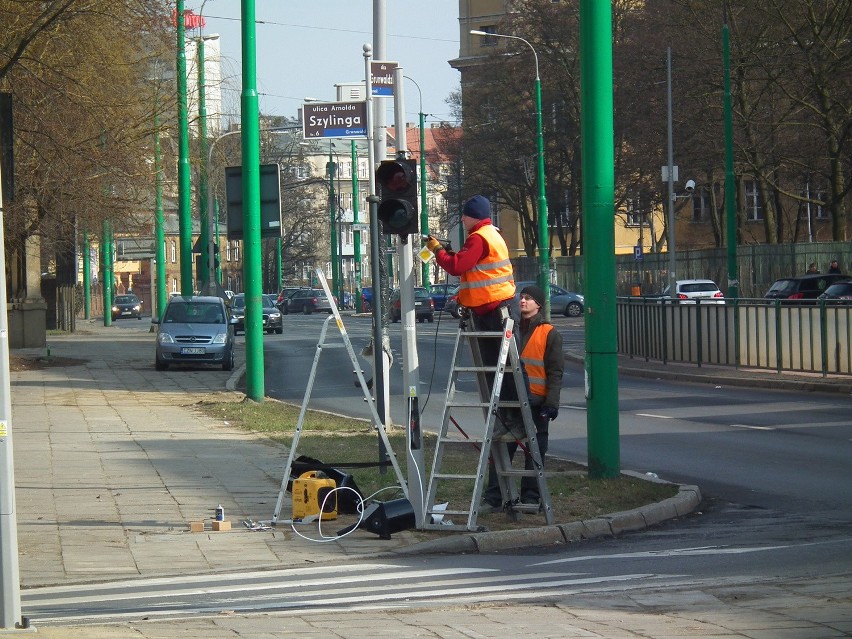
(758, 266)
(745, 333)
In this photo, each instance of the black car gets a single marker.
(126, 306)
(308, 300)
(283, 296)
(272, 322)
(802, 289)
(424, 307)
(838, 293)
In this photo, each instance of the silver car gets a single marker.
(195, 330)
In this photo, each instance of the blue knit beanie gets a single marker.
(477, 207)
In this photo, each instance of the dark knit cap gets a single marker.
(534, 292)
(477, 207)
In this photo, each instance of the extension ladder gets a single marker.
(490, 442)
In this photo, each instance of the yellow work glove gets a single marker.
(433, 245)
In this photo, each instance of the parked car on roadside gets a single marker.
(838, 293)
(272, 321)
(695, 292)
(126, 306)
(562, 302)
(804, 289)
(195, 330)
(424, 307)
(440, 293)
(283, 296)
(308, 300)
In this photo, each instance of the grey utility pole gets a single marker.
(671, 199)
(10, 586)
(380, 360)
(410, 363)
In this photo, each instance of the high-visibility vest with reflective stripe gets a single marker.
(492, 279)
(533, 359)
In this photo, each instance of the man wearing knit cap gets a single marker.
(541, 353)
(487, 286)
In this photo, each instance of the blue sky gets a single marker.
(305, 48)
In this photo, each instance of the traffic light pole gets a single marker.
(381, 364)
(410, 363)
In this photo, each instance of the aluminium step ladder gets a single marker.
(490, 442)
(323, 344)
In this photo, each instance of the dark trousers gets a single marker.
(529, 485)
(489, 348)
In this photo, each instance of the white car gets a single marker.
(696, 291)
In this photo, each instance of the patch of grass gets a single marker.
(337, 440)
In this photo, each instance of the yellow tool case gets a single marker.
(309, 491)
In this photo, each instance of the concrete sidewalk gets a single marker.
(112, 462)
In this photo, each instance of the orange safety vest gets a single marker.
(533, 359)
(492, 279)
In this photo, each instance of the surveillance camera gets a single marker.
(690, 186)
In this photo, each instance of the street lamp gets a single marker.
(543, 236)
(424, 203)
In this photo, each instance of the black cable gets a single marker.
(435, 344)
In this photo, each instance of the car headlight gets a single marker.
(115, 309)
(220, 338)
(138, 307)
(165, 338)
(274, 315)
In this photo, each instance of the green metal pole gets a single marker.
(332, 214)
(184, 185)
(424, 201)
(543, 235)
(730, 200)
(599, 255)
(203, 222)
(357, 234)
(106, 256)
(159, 226)
(87, 276)
(250, 121)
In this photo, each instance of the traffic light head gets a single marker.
(397, 181)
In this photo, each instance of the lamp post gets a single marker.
(543, 235)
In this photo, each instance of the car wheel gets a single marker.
(279, 331)
(395, 319)
(574, 309)
(307, 310)
(228, 363)
(430, 318)
(160, 365)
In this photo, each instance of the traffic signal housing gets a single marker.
(397, 180)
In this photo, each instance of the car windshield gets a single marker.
(239, 301)
(194, 312)
(840, 289)
(783, 286)
(699, 287)
(126, 299)
(267, 301)
(421, 294)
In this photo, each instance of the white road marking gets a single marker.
(752, 427)
(653, 415)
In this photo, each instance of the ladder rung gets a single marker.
(517, 472)
(466, 440)
(482, 333)
(476, 369)
(500, 404)
(452, 476)
(447, 512)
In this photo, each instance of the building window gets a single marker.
(811, 203)
(635, 216)
(228, 251)
(701, 206)
(174, 285)
(236, 250)
(753, 201)
(488, 41)
(173, 252)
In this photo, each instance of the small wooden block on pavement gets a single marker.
(221, 525)
(196, 526)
